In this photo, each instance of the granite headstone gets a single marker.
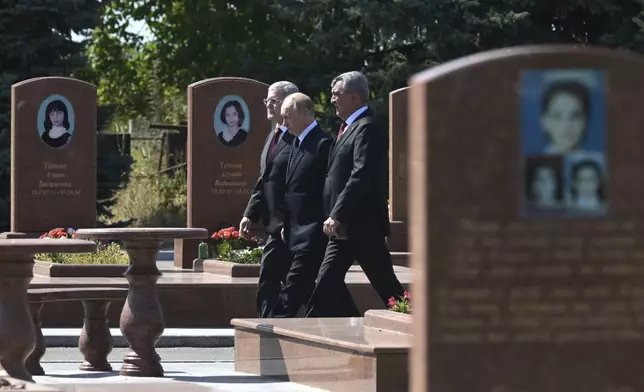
(227, 127)
(527, 188)
(398, 124)
(53, 154)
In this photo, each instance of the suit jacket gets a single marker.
(267, 200)
(355, 191)
(304, 185)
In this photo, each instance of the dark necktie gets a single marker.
(341, 131)
(294, 151)
(274, 141)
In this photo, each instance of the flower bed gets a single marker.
(108, 260)
(233, 254)
(401, 305)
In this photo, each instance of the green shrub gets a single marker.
(226, 252)
(105, 254)
(151, 199)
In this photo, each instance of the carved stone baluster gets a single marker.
(95, 341)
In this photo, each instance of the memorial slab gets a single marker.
(527, 225)
(398, 185)
(227, 127)
(53, 154)
(398, 124)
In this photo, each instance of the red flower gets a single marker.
(216, 236)
(227, 235)
(235, 234)
(407, 294)
(392, 301)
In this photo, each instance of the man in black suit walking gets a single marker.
(267, 201)
(355, 202)
(304, 210)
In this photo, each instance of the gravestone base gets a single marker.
(398, 239)
(8, 235)
(334, 354)
(185, 252)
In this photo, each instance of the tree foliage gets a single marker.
(305, 41)
(309, 42)
(35, 40)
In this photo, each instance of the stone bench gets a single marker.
(95, 342)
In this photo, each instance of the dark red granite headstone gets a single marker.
(53, 154)
(527, 222)
(227, 127)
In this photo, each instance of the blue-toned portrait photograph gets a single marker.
(585, 177)
(56, 121)
(563, 111)
(563, 120)
(544, 185)
(232, 120)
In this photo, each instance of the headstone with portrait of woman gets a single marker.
(227, 128)
(53, 155)
(527, 221)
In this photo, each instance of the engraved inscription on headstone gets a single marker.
(527, 222)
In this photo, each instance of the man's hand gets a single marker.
(282, 234)
(330, 227)
(244, 226)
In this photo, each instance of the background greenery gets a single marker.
(105, 254)
(307, 42)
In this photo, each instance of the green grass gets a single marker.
(106, 254)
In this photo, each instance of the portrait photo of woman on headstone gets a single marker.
(562, 111)
(233, 121)
(55, 121)
(564, 116)
(544, 183)
(586, 185)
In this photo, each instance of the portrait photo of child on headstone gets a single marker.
(232, 121)
(544, 182)
(55, 121)
(585, 184)
(563, 116)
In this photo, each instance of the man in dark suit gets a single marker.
(304, 210)
(267, 201)
(355, 203)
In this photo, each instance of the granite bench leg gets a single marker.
(95, 342)
(17, 335)
(33, 361)
(142, 318)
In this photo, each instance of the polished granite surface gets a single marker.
(348, 333)
(180, 377)
(334, 354)
(189, 277)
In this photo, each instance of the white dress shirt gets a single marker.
(306, 131)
